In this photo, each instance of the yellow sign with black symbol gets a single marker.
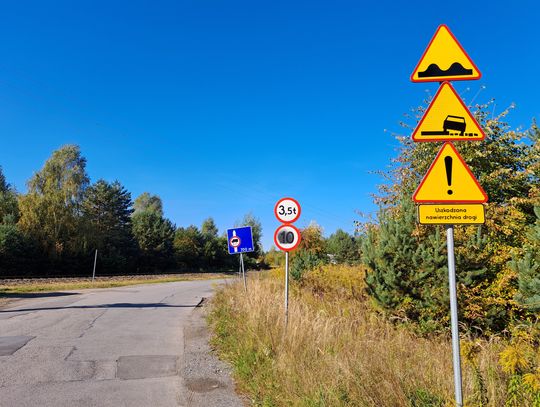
(447, 119)
(444, 60)
(451, 214)
(449, 180)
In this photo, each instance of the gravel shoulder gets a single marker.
(207, 379)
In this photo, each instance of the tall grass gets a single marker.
(336, 351)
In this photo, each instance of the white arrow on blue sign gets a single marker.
(240, 240)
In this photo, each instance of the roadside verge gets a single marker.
(207, 379)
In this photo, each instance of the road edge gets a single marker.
(206, 379)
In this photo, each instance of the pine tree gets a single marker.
(9, 207)
(343, 247)
(155, 236)
(18, 254)
(107, 209)
(391, 252)
(209, 228)
(528, 269)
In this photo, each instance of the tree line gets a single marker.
(315, 251)
(56, 226)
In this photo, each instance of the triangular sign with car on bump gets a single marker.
(447, 119)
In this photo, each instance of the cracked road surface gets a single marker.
(111, 347)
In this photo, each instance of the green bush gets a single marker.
(303, 262)
(17, 254)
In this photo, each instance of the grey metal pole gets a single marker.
(94, 272)
(454, 315)
(243, 271)
(286, 288)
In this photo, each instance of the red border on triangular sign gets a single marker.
(454, 138)
(466, 167)
(449, 78)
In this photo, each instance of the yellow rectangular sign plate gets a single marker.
(451, 214)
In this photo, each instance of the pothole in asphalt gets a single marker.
(146, 366)
(11, 344)
(203, 384)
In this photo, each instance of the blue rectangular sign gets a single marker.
(240, 240)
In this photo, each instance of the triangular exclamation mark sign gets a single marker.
(450, 180)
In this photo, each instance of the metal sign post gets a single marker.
(449, 194)
(454, 315)
(286, 288)
(243, 271)
(287, 237)
(240, 241)
(94, 272)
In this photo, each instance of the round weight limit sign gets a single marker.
(287, 237)
(287, 210)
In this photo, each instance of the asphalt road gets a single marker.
(133, 346)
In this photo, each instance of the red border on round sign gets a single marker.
(297, 216)
(231, 243)
(290, 248)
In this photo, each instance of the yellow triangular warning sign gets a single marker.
(444, 60)
(447, 118)
(449, 180)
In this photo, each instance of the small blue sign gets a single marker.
(240, 240)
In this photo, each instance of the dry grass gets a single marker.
(336, 351)
(10, 289)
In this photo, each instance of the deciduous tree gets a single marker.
(249, 219)
(188, 247)
(51, 210)
(148, 203)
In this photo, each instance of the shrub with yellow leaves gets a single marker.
(520, 360)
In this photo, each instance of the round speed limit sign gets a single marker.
(287, 210)
(287, 237)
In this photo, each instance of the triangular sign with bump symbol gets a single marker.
(449, 180)
(445, 60)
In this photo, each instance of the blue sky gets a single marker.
(223, 107)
